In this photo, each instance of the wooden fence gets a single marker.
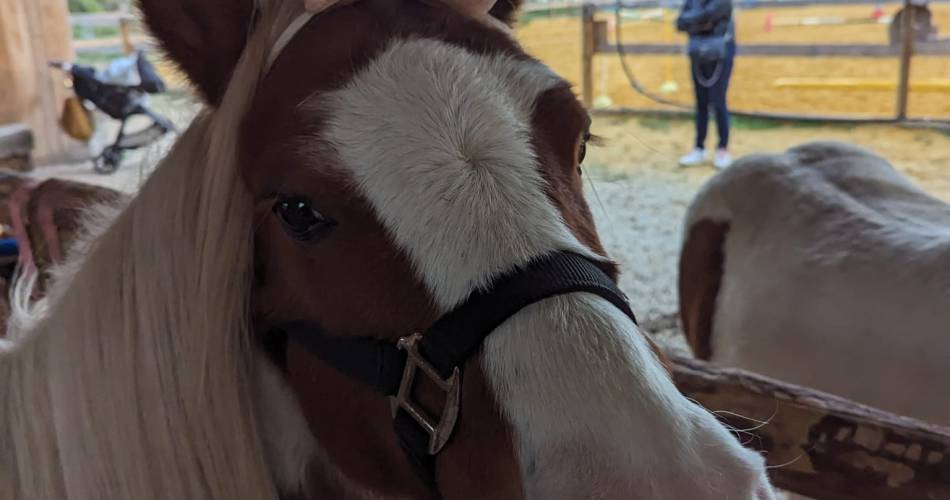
(127, 40)
(594, 41)
(820, 445)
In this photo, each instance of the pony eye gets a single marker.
(301, 221)
(582, 150)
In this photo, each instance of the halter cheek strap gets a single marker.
(295, 26)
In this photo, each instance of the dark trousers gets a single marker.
(711, 87)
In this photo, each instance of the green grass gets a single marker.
(527, 17)
(755, 123)
(93, 5)
(664, 122)
(602, 172)
(85, 32)
(96, 58)
(656, 122)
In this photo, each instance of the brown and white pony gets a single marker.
(397, 156)
(824, 267)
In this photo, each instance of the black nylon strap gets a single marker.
(455, 337)
(376, 363)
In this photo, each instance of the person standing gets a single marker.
(712, 50)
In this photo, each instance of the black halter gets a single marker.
(450, 341)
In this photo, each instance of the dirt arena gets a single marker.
(556, 41)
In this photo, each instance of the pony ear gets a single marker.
(506, 11)
(204, 38)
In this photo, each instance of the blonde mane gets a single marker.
(134, 378)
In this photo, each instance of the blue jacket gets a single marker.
(706, 17)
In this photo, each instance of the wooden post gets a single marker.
(32, 32)
(820, 445)
(907, 53)
(125, 30)
(587, 54)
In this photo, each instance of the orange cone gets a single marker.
(878, 12)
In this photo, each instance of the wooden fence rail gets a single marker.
(784, 50)
(126, 40)
(594, 41)
(820, 445)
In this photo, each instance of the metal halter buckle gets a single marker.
(439, 432)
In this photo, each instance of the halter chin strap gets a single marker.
(440, 354)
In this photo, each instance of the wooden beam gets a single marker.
(100, 19)
(588, 47)
(112, 44)
(907, 53)
(922, 85)
(32, 32)
(744, 4)
(821, 445)
(787, 50)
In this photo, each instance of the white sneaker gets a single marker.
(695, 157)
(723, 159)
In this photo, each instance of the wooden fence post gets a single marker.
(820, 445)
(32, 32)
(587, 54)
(907, 53)
(125, 30)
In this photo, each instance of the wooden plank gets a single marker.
(931, 85)
(907, 53)
(32, 32)
(820, 445)
(787, 50)
(748, 4)
(111, 44)
(100, 19)
(588, 47)
(16, 79)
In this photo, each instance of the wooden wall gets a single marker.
(32, 32)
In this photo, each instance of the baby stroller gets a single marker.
(120, 91)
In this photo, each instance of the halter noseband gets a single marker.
(442, 351)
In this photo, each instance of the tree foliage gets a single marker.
(93, 5)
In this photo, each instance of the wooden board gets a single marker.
(787, 50)
(821, 445)
(32, 32)
(932, 85)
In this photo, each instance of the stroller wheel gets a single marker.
(108, 161)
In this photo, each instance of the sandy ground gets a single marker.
(556, 41)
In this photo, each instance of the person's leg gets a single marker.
(702, 105)
(719, 99)
(697, 156)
